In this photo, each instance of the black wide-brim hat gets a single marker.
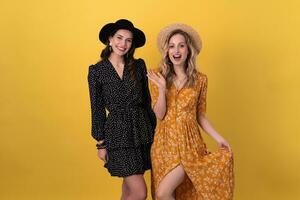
(109, 29)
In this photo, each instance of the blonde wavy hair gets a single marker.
(166, 66)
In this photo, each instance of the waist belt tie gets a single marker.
(126, 108)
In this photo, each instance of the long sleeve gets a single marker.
(146, 95)
(97, 105)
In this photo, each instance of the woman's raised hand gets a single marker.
(157, 79)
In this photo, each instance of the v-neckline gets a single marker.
(115, 71)
(176, 89)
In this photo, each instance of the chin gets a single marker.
(120, 53)
(177, 62)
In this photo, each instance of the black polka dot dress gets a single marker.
(128, 127)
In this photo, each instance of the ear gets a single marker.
(110, 40)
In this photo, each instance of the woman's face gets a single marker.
(177, 50)
(121, 42)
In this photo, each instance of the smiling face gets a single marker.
(121, 42)
(178, 50)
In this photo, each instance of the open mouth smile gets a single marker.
(177, 57)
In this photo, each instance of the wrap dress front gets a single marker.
(128, 127)
(178, 141)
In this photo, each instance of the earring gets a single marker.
(109, 48)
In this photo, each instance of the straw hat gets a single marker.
(165, 32)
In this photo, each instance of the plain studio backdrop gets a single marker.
(250, 55)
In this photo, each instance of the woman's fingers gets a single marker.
(160, 76)
(102, 154)
(225, 145)
(154, 77)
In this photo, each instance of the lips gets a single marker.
(177, 57)
(121, 49)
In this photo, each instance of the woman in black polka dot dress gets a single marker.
(118, 84)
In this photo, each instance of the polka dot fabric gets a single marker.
(128, 161)
(178, 141)
(129, 126)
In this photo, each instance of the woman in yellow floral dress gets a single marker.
(182, 167)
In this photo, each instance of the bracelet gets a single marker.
(101, 146)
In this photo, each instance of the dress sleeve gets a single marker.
(146, 94)
(97, 105)
(201, 108)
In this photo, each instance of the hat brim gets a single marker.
(165, 32)
(110, 28)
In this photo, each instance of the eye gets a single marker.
(129, 40)
(119, 37)
(171, 46)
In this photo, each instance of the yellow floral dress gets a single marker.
(178, 141)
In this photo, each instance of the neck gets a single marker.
(179, 71)
(116, 58)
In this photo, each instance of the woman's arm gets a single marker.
(159, 107)
(98, 113)
(209, 129)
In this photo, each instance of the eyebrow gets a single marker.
(123, 36)
(178, 43)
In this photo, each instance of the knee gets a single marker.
(138, 194)
(142, 195)
(162, 194)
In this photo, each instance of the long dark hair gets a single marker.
(128, 57)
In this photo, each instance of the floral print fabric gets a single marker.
(178, 141)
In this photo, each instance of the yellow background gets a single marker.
(250, 54)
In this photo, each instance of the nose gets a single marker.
(123, 43)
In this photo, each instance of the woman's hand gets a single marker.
(102, 154)
(223, 143)
(157, 79)
(209, 129)
(160, 106)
